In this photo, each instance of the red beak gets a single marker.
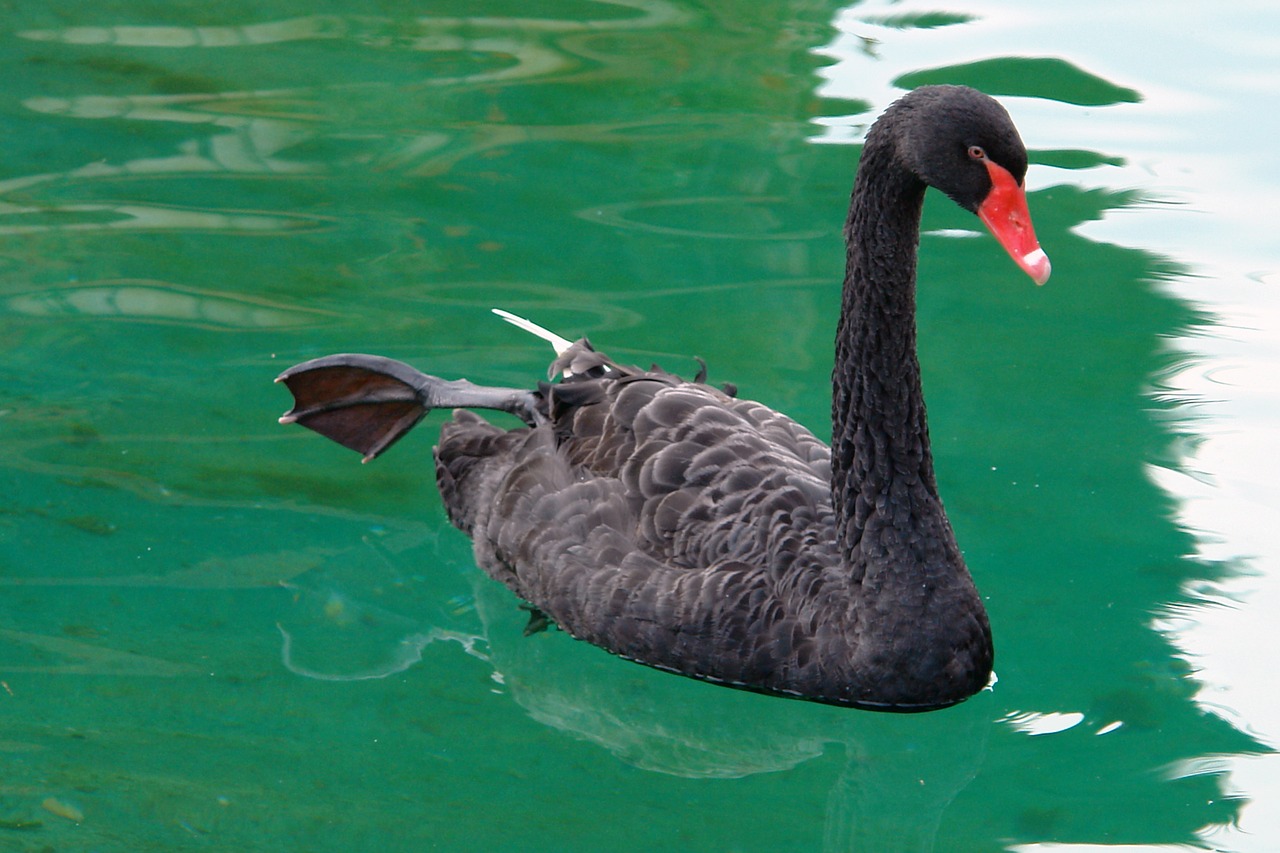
(1004, 212)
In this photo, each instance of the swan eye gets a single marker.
(976, 152)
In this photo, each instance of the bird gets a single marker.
(677, 525)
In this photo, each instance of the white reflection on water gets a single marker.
(1033, 723)
(160, 302)
(1202, 145)
(1207, 145)
(367, 28)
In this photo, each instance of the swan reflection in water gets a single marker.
(896, 779)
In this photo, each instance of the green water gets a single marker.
(217, 633)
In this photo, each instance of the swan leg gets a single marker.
(368, 402)
(538, 621)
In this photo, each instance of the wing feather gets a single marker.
(658, 519)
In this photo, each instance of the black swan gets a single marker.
(675, 525)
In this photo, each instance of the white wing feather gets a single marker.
(559, 344)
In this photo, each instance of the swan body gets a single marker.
(673, 524)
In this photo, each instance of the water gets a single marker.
(221, 634)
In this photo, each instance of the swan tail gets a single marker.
(367, 403)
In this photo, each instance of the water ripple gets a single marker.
(161, 302)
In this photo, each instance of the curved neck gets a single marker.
(880, 442)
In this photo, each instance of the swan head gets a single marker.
(963, 143)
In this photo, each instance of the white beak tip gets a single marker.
(1037, 265)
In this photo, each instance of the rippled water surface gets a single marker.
(217, 633)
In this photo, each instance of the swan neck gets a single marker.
(880, 440)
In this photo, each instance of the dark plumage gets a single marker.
(675, 525)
